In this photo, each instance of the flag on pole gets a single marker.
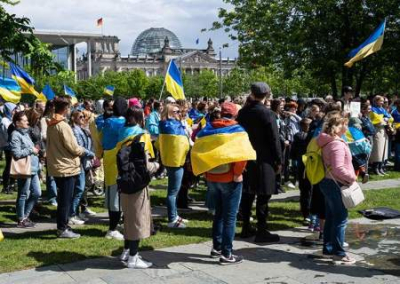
(371, 45)
(173, 81)
(100, 22)
(109, 90)
(69, 92)
(197, 41)
(48, 92)
(24, 80)
(10, 91)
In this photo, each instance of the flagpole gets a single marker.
(162, 89)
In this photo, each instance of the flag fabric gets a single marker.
(69, 92)
(371, 45)
(10, 91)
(173, 143)
(48, 93)
(24, 80)
(173, 81)
(109, 90)
(218, 146)
(379, 114)
(100, 22)
(197, 41)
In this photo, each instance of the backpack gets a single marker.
(133, 175)
(314, 165)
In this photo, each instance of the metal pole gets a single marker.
(220, 73)
(162, 89)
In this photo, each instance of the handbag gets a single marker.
(352, 195)
(21, 168)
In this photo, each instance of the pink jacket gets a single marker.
(337, 157)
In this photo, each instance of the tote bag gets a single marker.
(21, 168)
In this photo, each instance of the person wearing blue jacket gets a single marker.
(29, 190)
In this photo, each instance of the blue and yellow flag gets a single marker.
(69, 92)
(173, 81)
(10, 91)
(371, 45)
(48, 92)
(109, 90)
(396, 118)
(173, 143)
(378, 114)
(24, 80)
(218, 146)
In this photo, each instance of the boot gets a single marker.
(247, 231)
(264, 236)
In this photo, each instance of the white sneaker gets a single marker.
(124, 255)
(290, 185)
(177, 224)
(345, 245)
(114, 235)
(137, 262)
(183, 220)
(83, 217)
(75, 221)
(89, 212)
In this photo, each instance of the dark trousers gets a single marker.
(305, 191)
(262, 209)
(6, 173)
(65, 196)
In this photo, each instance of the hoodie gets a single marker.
(337, 158)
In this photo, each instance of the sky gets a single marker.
(126, 19)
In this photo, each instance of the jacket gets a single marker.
(21, 146)
(236, 169)
(260, 124)
(63, 151)
(84, 140)
(152, 124)
(337, 159)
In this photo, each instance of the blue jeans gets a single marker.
(210, 198)
(175, 176)
(78, 192)
(28, 194)
(336, 218)
(227, 199)
(51, 188)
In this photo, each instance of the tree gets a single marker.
(313, 35)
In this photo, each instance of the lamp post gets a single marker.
(220, 73)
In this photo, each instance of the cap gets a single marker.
(260, 88)
(347, 89)
(134, 102)
(229, 108)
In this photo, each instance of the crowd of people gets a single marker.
(246, 149)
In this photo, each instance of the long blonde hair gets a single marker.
(167, 112)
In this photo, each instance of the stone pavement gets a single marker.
(291, 261)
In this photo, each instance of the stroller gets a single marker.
(95, 178)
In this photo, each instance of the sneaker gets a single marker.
(89, 212)
(347, 260)
(124, 255)
(232, 259)
(365, 178)
(311, 227)
(67, 234)
(317, 229)
(178, 224)
(345, 245)
(215, 253)
(114, 235)
(25, 224)
(75, 220)
(137, 262)
(290, 185)
(53, 203)
(83, 217)
(183, 220)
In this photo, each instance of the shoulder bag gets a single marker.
(352, 195)
(21, 168)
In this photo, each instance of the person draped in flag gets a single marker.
(382, 121)
(221, 151)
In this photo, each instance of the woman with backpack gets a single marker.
(173, 145)
(337, 159)
(135, 203)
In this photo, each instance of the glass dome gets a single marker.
(152, 41)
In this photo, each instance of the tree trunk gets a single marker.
(360, 78)
(333, 85)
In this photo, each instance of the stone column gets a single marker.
(89, 53)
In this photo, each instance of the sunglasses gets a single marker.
(177, 111)
(81, 116)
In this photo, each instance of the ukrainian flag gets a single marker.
(378, 114)
(173, 143)
(10, 91)
(69, 92)
(396, 118)
(24, 80)
(48, 93)
(218, 146)
(173, 81)
(371, 45)
(109, 90)
(125, 135)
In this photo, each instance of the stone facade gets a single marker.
(105, 55)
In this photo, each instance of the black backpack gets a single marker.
(133, 175)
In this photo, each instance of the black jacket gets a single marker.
(261, 126)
